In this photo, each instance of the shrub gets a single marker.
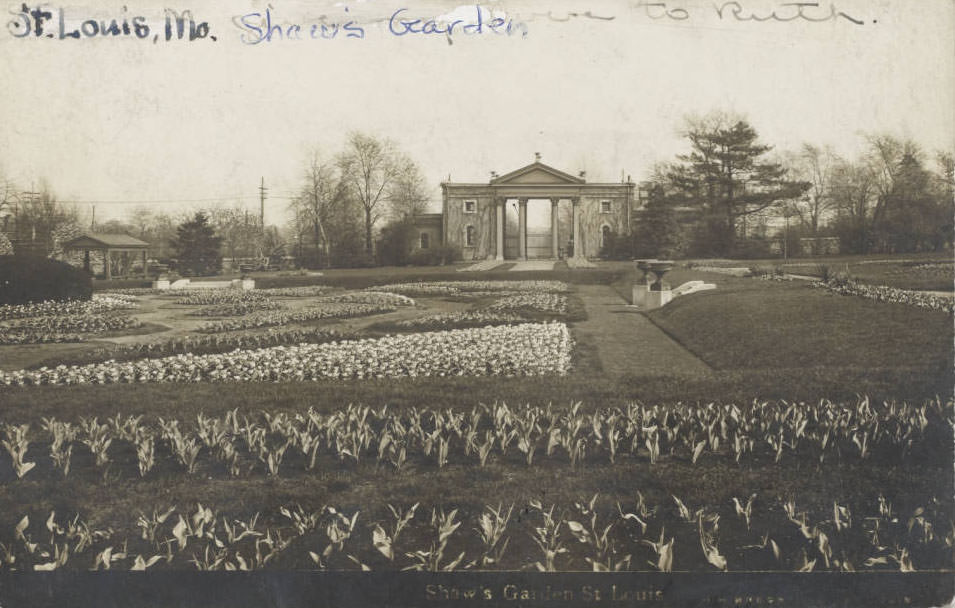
(438, 255)
(25, 279)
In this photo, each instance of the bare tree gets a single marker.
(408, 195)
(814, 166)
(322, 192)
(854, 194)
(369, 168)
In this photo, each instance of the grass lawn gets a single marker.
(790, 325)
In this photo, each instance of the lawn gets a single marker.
(790, 325)
(789, 364)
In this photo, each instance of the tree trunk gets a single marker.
(368, 243)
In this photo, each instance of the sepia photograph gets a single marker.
(412, 303)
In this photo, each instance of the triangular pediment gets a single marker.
(537, 173)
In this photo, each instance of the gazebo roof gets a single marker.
(105, 241)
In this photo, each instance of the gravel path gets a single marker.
(627, 342)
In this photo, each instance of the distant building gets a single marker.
(490, 220)
(429, 231)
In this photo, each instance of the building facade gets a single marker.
(490, 220)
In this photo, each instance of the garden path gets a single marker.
(532, 265)
(625, 339)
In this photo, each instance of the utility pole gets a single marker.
(262, 191)
(93, 218)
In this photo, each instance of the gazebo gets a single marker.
(107, 244)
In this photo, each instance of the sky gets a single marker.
(121, 122)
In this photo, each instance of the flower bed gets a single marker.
(884, 293)
(656, 534)
(99, 304)
(331, 310)
(470, 318)
(78, 323)
(380, 298)
(203, 297)
(237, 308)
(530, 349)
(200, 345)
(453, 287)
(296, 292)
(418, 289)
(10, 338)
(542, 302)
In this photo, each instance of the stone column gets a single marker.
(522, 229)
(578, 246)
(499, 228)
(554, 241)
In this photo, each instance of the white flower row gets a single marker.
(544, 302)
(451, 287)
(380, 298)
(531, 349)
(99, 304)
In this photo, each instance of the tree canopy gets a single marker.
(197, 246)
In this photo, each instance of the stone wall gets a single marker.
(457, 221)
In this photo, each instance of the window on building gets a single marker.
(469, 236)
(425, 240)
(605, 207)
(470, 206)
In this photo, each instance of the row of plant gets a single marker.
(521, 350)
(377, 298)
(469, 318)
(542, 302)
(833, 433)
(63, 328)
(98, 305)
(749, 532)
(330, 310)
(884, 293)
(451, 287)
(238, 308)
(79, 323)
(296, 292)
(200, 345)
(206, 297)
(10, 338)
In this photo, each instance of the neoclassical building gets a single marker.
(491, 220)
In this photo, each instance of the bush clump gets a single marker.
(25, 279)
(440, 255)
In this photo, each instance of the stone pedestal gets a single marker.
(640, 294)
(180, 284)
(161, 284)
(657, 299)
(248, 284)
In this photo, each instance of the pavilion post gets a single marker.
(106, 263)
(145, 270)
(499, 244)
(554, 240)
(522, 229)
(578, 246)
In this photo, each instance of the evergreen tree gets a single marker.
(726, 176)
(197, 247)
(658, 234)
